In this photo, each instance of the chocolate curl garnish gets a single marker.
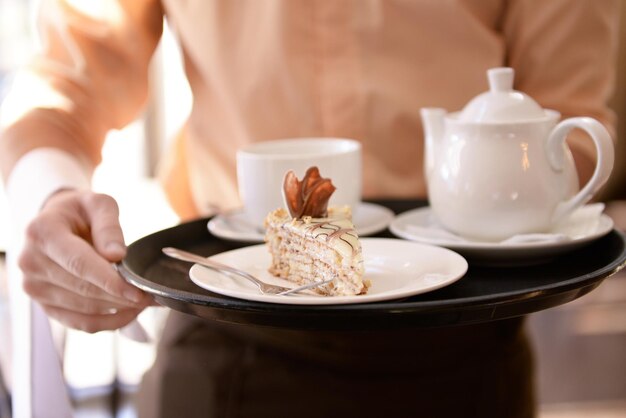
(308, 197)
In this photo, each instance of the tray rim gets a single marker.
(228, 309)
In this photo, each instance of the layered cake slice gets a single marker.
(311, 243)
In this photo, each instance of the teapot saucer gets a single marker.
(585, 225)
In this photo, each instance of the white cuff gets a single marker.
(36, 176)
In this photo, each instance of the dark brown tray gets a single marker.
(484, 294)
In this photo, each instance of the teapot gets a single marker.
(501, 167)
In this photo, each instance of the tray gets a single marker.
(484, 294)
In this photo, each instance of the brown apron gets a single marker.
(210, 369)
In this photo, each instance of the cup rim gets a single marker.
(263, 149)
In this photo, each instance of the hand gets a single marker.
(67, 259)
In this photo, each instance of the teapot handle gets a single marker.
(604, 165)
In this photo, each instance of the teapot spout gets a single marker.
(433, 122)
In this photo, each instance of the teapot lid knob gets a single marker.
(501, 103)
(500, 79)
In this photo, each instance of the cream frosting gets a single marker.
(338, 233)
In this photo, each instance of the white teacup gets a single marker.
(261, 168)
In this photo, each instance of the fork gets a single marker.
(265, 288)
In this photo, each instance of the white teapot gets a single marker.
(501, 166)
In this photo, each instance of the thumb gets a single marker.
(106, 233)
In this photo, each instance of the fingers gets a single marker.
(106, 233)
(41, 273)
(92, 322)
(54, 296)
(78, 258)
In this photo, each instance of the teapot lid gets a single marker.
(501, 103)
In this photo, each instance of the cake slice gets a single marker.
(309, 243)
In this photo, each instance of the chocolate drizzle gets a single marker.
(308, 197)
(337, 231)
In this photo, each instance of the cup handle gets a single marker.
(605, 157)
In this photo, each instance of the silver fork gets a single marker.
(265, 288)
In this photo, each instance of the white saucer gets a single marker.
(420, 225)
(368, 219)
(395, 268)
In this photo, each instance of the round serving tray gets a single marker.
(484, 294)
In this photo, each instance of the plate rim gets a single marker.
(462, 266)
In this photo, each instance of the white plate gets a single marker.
(420, 225)
(396, 269)
(368, 219)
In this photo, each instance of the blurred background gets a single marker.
(580, 347)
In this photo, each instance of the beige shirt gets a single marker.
(270, 69)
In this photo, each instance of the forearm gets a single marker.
(45, 128)
(89, 77)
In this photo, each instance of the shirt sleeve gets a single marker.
(90, 76)
(26, 193)
(564, 53)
